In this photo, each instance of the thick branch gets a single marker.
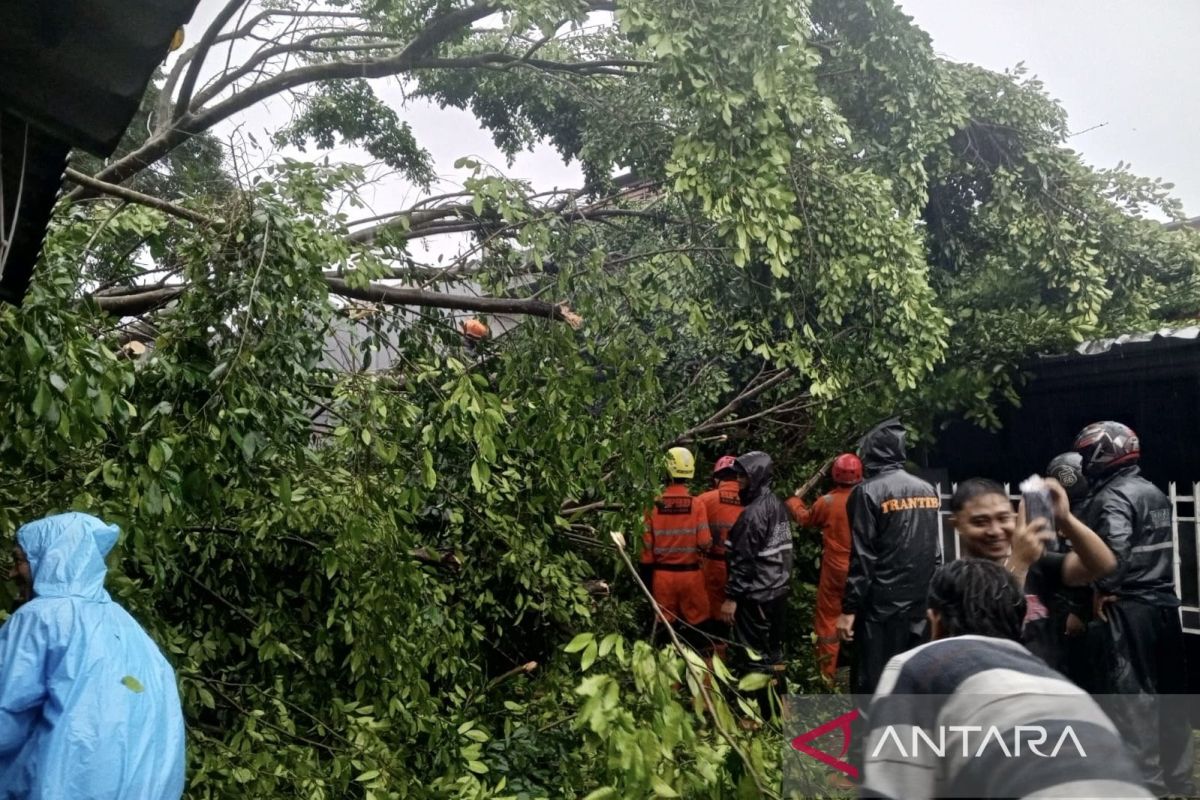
(140, 302)
(201, 51)
(131, 305)
(392, 295)
(132, 196)
(749, 393)
(190, 124)
(162, 112)
(618, 67)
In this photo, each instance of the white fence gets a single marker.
(1184, 534)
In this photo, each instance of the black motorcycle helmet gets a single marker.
(1067, 469)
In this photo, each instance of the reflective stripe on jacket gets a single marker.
(676, 529)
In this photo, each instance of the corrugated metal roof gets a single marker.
(1161, 338)
(78, 68)
(1105, 345)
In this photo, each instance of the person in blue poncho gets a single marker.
(89, 708)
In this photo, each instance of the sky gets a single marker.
(1127, 73)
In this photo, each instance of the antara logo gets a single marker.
(1032, 736)
(917, 742)
(842, 723)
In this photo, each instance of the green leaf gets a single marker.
(250, 445)
(661, 788)
(132, 684)
(478, 767)
(33, 349)
(754, 681)
(581, 641)
(41, 401)
(156, 457)
(369, 775)
(589, 656)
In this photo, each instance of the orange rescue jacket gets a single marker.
(828, 514)
(676, 530)
(723, 505)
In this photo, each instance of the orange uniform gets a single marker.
(723, 506)
(828, 514)
(676, 533)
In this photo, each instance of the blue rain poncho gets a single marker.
(89, 708)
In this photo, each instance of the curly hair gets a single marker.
(976, 596)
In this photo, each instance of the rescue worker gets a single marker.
(759, 549)
(89, 707)
(676, 534)
(829, 514)
(1137, 603)
(894, 551)
(723, 505)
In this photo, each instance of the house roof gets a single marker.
(1194, 222)
(71, 75)
(77, 70)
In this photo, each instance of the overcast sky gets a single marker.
(1128, 74)
(1131, 67)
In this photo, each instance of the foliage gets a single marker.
(821, 222)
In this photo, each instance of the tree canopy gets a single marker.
(370, 574)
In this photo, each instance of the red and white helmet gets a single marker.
(1104, 446)
(847, 469)
(724, 465)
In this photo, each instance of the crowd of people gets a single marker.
(1082, 593)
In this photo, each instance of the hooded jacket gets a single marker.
(759, 546)
(89, 708)
(894, 532)
(1133, 517)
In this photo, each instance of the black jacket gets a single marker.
(894, 532)
(1133, 517)
(760, 542)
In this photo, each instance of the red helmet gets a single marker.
(847, 469)
(724, 464)
(1104, 446)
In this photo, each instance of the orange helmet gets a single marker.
(475, 330)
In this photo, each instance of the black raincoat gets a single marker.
(760, 542)
(1133, 517)
(1142, 655)
(894, 532)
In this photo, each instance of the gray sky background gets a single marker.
(1128, 74)
(1132, 67)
